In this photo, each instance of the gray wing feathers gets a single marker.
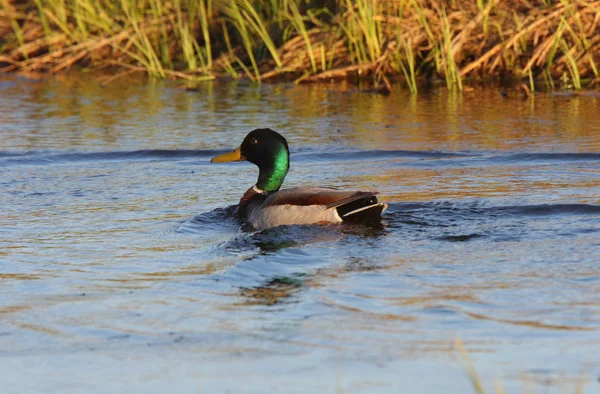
(330, 198)
(353, 197)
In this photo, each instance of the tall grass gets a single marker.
(412, 41)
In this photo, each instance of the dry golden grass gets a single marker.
(414, 41)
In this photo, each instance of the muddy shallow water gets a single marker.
(123, 270)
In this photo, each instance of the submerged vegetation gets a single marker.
(413, 41)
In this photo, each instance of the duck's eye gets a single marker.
(253, 141)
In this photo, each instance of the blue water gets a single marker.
(123, 269)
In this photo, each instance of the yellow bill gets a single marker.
(234, 155)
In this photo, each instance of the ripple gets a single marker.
(36, 157)
(375, 155)
(476, 208)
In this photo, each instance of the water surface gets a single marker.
(123, 270)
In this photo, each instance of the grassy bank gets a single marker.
(550, 42)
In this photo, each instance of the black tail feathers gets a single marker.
(363, 209)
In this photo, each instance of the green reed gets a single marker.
(407, 64)
(451, 71)
(297, 22)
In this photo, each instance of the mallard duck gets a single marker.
(265, 206)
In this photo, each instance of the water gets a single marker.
(123, 270)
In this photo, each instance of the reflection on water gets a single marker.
(120, 248)
(86, 116)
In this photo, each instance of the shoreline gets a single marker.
(415, 43)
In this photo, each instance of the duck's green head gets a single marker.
(269, 151)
